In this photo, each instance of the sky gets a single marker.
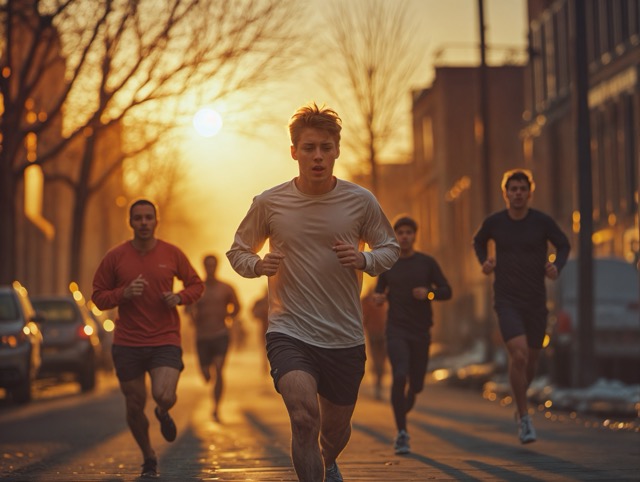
(225, 171)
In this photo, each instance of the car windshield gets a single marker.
(8, 307)
(55, 311)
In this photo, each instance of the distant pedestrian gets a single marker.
(209, 315)
(137, 277)
(414, 281)
(317, 226)
(374, 320)
(521, 236)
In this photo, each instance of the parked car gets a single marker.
(71, 341)
(106, 326)
(20, 343)
(616, 321)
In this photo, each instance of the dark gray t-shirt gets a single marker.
(407, 314)
(521, 254)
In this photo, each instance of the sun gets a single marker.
(207, 122)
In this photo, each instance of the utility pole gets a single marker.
(583, 359)
(486, 168)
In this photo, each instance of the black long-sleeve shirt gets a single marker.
(521, 255)
(406, 313)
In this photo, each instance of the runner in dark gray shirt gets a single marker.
(410, 285)
(521, 236)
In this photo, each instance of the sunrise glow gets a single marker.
(207, 122)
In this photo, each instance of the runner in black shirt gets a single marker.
(410, 285)
(521, 237)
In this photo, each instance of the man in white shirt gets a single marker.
(317, 226)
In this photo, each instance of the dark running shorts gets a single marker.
(132, 362)
(515, 321)
(210, 349)
(338, 371)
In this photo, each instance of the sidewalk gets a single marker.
(456, 435)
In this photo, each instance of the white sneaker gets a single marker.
(526, 432)
(401, 445)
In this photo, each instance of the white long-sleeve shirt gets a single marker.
(312, 297)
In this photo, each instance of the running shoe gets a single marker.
(150, 469)
(401, 445)
(526, 432)
(332, 474)
(167, 426)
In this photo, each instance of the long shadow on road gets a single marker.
(58, 435)
(454, 473)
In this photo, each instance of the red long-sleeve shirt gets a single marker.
(145, 320)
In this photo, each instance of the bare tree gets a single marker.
(160, 174)
(123, 63)
(372, 45)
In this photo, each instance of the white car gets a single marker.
(616, 320)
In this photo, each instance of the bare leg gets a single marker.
(335, 429)
(299, 392)
(135, 394)
(206, 374)
(218, 363)
(164, 384)
(532, 364)
(521, 370)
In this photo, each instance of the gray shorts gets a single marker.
(337, 371)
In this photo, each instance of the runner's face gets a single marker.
(517, 194)
(406, 237)
(210, 266)
(316, 153)
(143, 222)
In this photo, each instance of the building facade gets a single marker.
(46, 192)
(549, 136)
(531, 124)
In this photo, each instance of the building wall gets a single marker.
(393, 190)
(37, 257)
(105, 222)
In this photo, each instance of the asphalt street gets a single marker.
(456, 434)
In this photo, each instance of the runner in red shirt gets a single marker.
(137, 277)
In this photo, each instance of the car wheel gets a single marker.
(87, 376)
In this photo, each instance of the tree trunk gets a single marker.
(81, 198)
(8, 223)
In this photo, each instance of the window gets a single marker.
(597, 145)
(633, 20)
(427, 139)
(8, 308)
(538, 66)
(433, 229)
(629, 181)
(593, 32)
(56, 311)
(610, 160)
(607, 40)
(550, 57)
(620, 27)
(563, 64)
